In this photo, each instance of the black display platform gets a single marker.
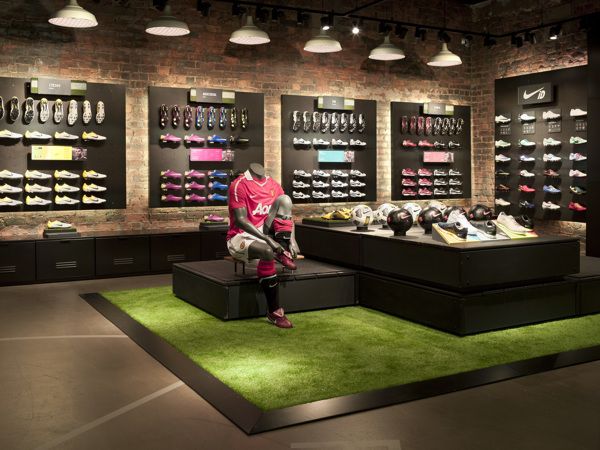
(588, 285)
(216, 288)
(253, 420)
(318, 222)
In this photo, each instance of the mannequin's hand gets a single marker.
(294, 249)
(275, 246)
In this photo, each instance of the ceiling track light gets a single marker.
(249, 34)
(489, 41)
(466, 41)
(356, 27)
(443, 36)
(530, 37)
(420, 33)
(276, 15)
(73, 16)
(237, 10)
(327, 22)
(167, 25)
(203, 7)
(262, 14)
(301, 17)
(555, 32)
(517, 41)
(401, 31)
(383, 28)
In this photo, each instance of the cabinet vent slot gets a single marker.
(122, 261)
(175, 258)
(8, 269)
(66, 265)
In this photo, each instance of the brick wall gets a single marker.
(118, 51)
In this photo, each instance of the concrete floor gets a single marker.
(69, 379)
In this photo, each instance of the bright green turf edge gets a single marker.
(336, 352)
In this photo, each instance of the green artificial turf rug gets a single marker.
(340, 352)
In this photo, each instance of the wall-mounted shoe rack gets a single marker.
(20, 150)
(555, 106)
(223, 158)
(350, 162)
(430, 139)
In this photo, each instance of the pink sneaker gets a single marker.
(195, 139)
(171, 198)
(170, 187)
(286, 260)
(169, 138)
(170, 174)
(195, 174)
(214, 218)
(195, 198)
(278, 319)
(194, 186)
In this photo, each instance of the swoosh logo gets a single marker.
(527, 96)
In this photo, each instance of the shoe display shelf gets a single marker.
(405, 157)
(176, 156)
(105, 157)
(306, 157)
(569, 92)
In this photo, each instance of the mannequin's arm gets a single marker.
(241, 220)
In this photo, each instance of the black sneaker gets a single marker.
(343, 122)
(1, 107)
(29, 111)
(525, 221)
(306, 121)
(175, 116)
(15, 110)
(199, 117)
(577, 190)
(335, 122)
(296, 122)
(502, 173)
(353, 124)
(452, 129)
(245, 119)
(211, 117)
(362, 123)
(234, 118)
(404, 125)
(459, 125)
(437, 126)
(222, 118)
(187, 117)
(325, 117)
(163, 113)
(316, 121)
(453, 144)
(486, 226)
(455, 228)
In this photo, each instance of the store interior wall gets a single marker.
(119, 51)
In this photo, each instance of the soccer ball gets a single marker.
(362, 215)
(380, 214)
(480, 212)
(400, 221)
(437, 204)
(428, 217)
(414, 209)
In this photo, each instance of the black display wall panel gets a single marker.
(593, 86)
(106, 157)
(306, 159)
(412, 158)
(177, 156)
(570, 91)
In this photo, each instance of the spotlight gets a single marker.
(327, 22)
(203, 7)
(555, 32)
(301, 17)
(517, 41)
(355, 28)
(276, 15)
(237, 10)
(530, 37)
(443, 36)
(489, 41)
(401, 31)
(466, 41)
(159, 4)
(384, 28)
(262, 14)
(420, 33)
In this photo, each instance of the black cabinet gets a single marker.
(214, 245)
(17, 262)
(166, 249)
(65, 259)
(122, 255)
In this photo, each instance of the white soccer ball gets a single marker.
(381, 213)
(437, 204)
(362, 215)
(414, 209)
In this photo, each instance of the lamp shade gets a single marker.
(249, 34)
(73, 16)
(387, 51)
(167, 25)
(445, 58)
(323, 43)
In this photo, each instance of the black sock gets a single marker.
(283, 238)
(270, 286)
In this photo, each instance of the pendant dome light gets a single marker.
(249, 34)
(167, 25)
(323, 43)
(445, 58)
(73, 16)
(387, 51)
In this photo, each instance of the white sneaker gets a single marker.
(502, 119)
(357, 143)
(502, 144)
(5, 134)
(65, 188)
(92, 200)
(577, 174)
(8, 189)
(36, 201)
(320, 142)
(57, 225)
(301, 173)
(320, 184)
(526, 174)
(72, 113)
(36, 188)
(36, 135)
(502, 202)
(357, 173)
(37, 175)
(320, 173)
(100, 112)
(578, 157)
(64, 136)
(502, 158)
(357, 194)
(320, 195)
(64, 174)
(510, 223)
(338, 184)
(6, 201)
(549, 115)
(455, 191)
(91, 136)
(339, 142)
(550, 205)
(356, 183)
(549, 157)
(300, 184)
(87, 112)
(526, 143)
(300, 141)
(8, 175)
(91, 174)
(576, 112)
(64, 200)
(93, 188)
(339, 174)
(577, 140)
(300, 195)
(338, 194)
(525, 158)
(550, 142)
(526, 117)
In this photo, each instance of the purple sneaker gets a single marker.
(194, 139)
(170, 198)
(194, 186)
(169, 138)
(214, 218)
(194, 174)
(170, 187)
(278, 319)
(170, 174)
(195, 198)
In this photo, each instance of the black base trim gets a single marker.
(252, 420)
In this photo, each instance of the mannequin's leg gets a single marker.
(279, 223)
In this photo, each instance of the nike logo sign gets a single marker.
(527, 96)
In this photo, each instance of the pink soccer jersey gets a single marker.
(257, 196)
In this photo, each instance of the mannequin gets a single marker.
(261, 228)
